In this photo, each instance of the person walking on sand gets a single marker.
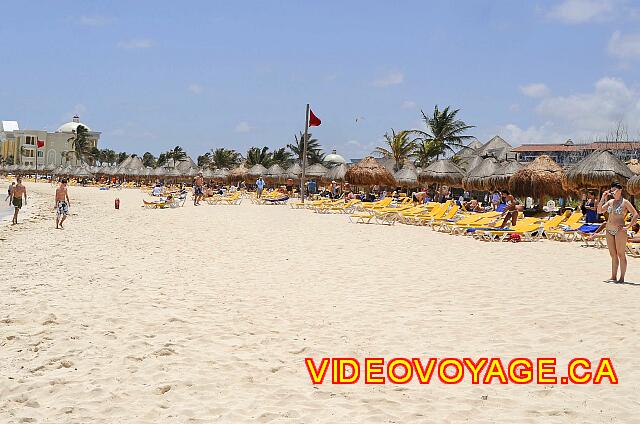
(62, 203)
(18, 192)
(10, 192)
(617, 207)
(198, 189)
(259, 186)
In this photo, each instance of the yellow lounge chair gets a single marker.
(528, 228)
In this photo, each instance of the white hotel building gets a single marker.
(21, 145)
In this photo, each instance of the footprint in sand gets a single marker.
(163, 389)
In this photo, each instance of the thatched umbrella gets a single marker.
(159, 171)
(275, 173)
(369, 172)
(220, 175)
(442, 171)
(257, 170)
(634, 166)
(500, 180)
(496, 144)
(82, 172)
(238, 173)
(315, 171)
(468, 163)
(407, 177)
(208, 173)
(542, 177)
(294, 171)
(597, 170)
(336, 173)
(633, 185)
(478, 177)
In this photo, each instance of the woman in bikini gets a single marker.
(616, 231)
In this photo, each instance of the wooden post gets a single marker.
(304, 152)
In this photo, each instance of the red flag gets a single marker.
(314, 121)
(40, 143)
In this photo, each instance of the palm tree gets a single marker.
(399, 147)
(162, 159)
(281, 157)
(224, 158)
(444, 130)
(177, 154)
(148, 159)
(204, 161)
(425, 151)
(314, 151)
(122, 156)
(80, 144)
(257, 155)
(110, 156)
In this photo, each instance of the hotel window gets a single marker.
(40, 153)
(29, 153)
(31, 140)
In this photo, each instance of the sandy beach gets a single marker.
(205, 314)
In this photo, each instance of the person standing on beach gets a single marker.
(18, 192)
(616, 228)
(198, 190)
(10, 193)
(259, 186)
(62, 203)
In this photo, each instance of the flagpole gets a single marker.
(304, 152)
(37, 141)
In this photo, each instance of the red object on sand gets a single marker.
(314, 121)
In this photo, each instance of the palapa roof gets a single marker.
(220, 174)
(336, 173)
(496, 143)
(443, 171)
(315, 171)
(599, 169)
(257, 170)
(475, 144)
(469, 163)
(294, 171)
(275, 172)
(478, 177)
(172, 172)
(82, 171)
(239, 172)
(185, 164)
(542, 177)
(633, 185)
(407, 176)
(634, 166)
(500, 179)
(466, 152)
(369, 172)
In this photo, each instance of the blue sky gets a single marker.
(204, 74)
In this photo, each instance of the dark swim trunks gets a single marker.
(17, 202)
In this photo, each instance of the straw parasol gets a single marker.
(208, 173)
(275, 173)
(238, 173)
(542, 177)
(294, 171)
(597, 170)
(500, 180)
(82, 172)
(336, 173)
(469, 163)
(369, 172)
(633, 185)
(257, 170)
(478, 177)
(220, 174)
(407, 177)
(315, 171)
(634, 166)
(496, 144)
(442, 172)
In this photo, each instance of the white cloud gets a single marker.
(243, 127)
(392, 78)
(93, 21)
(583, 11)
(409, 104)
(624, 46)
(140, 43)
(535, 90)
(195, 88)
(582, 116)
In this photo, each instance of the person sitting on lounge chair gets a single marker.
(473, 205)
(510, 211)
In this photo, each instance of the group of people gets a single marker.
(17, 197)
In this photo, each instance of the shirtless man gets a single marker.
(198, 192)
(510, 211)
(62, 203)
(18, 191)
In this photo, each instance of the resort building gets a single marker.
(569, 153)
(51, 148)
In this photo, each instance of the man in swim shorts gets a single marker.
(198, 189)
(62, 203)
(18, 191)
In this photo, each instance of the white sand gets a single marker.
(205, 314)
